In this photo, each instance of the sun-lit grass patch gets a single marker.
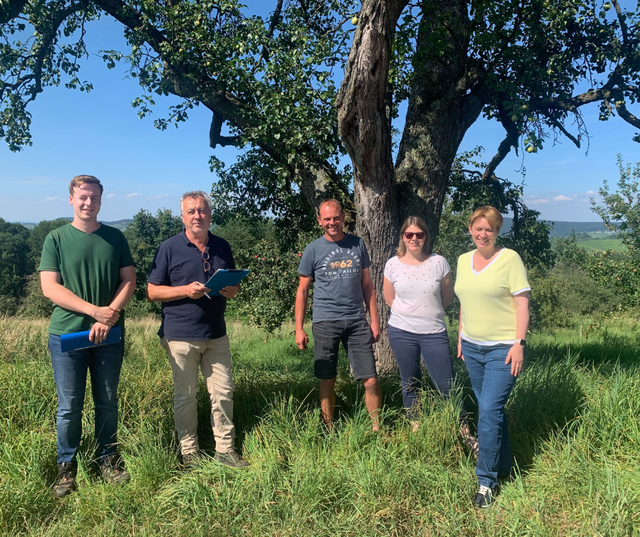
(574, 423)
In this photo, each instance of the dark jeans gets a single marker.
(70, 374)
(357, 341)
(407, 348)
(492, 382)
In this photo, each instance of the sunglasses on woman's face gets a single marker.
(419, 235)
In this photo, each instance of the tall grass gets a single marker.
(574, 427)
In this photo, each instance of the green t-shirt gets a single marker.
(89, 265)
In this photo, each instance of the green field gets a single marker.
(601, 245)
(574, 424)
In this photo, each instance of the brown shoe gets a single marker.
(231, 459)
(112, 470)
(65, 483)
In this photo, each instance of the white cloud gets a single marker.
(52, 198)
(133, 195)
(111, 195)
(562, 198)
(162, 196)
(589, 192)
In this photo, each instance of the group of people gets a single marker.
(87, 271)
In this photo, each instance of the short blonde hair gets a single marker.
(418, 222)
(80, 180)
(490, 213)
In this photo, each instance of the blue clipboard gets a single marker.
(80, 340)
(223, 277)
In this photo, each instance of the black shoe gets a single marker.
(65, 483)
(231, 459)
(112, 470)
(484, 497)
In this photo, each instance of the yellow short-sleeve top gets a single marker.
(486, 297)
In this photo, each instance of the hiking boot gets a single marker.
(112, 470)
(190, 460)
(484, 497)
(231, 459)
(65, 483)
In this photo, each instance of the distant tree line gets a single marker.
(567, 282)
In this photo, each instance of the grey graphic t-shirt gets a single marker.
(336, 269)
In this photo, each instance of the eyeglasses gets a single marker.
(205, 260)
(419, 235)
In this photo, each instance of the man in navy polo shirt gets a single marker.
(193, 329)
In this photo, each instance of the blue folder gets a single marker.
(80, 340)
(223, 278)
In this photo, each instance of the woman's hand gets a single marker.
(516, 359)
(460, 350)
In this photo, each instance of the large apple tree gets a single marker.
(271, 86)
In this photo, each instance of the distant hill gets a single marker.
(120, 224)
(563, 229)
(559, 229)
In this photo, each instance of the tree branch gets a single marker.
(214, 133)
(564, 131)
(626, 115)
(511, 140)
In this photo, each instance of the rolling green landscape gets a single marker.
(574, 431)
(602, 245)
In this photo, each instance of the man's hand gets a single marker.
(196, 290)
(516, 358)
(302, 339)
(375, 331)
(230, 291)
(106, 315)
(99, 333)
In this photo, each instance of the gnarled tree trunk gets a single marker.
(446, 99)
(365, 130)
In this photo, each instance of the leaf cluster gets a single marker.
(620, 209)
(144, 235)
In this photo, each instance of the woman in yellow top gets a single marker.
(493, 289)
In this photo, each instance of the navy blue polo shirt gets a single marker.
(179, 262)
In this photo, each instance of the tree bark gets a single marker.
(365, 130)
(445, 100)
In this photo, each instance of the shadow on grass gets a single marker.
(544, 401)
(607, 352)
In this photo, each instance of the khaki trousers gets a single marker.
(213, 358)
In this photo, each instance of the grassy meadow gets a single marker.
(601, 245)
(575, 434)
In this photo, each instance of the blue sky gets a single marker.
(99, 133)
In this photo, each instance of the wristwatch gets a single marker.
(522, 342)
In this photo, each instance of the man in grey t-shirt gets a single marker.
(338, 264)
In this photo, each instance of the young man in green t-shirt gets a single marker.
(87, 271)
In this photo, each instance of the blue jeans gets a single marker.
(70, 375)
(492, 382)
(407, 348)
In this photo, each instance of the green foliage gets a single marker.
(254, 187)
(566, 293)
(144, 235)
(620, 210)
(35, 305)
(39, 233)
(467, 190)
(267, 295)
(15, 264)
